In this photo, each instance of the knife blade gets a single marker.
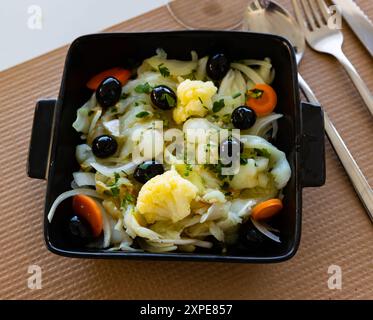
(358, 21)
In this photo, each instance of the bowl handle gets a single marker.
(38, 156)
(312, 146)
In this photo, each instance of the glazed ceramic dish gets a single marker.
(300, 130)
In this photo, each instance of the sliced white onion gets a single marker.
(83, 179)
(194, 55)
(216, 232)
(274, 129)
(176, 241)
(155, 247)
(249, 72)
(105, 226)
(94, 121)
(74, 185)
(125, 246)
(216, 211)
(203, 244)
(68, 194)
(263, 124)
(133, 228)
(252, 62)
(112, 126)
(128, 168)
(262, 228)
(182, 242)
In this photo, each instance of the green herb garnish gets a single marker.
(114, 191)
(256, 93)
(170, 100)
(262, 153)
(236, 95)
(218, 105)
(142, 114)
(124, 95)
(188, 169)
(113, 110)
(128, 199)
(144, 88)
(163, 70)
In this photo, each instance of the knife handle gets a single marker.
(360, 183)
(356, 79)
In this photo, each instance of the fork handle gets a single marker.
(360, 183)
(356, 79)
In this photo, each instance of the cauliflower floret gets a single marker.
(194, 99)
(166, 197)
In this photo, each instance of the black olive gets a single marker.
(79, 231)
(109, 92)
(163, 97)
(148, 170)
(217, 66)
(104, 146)
(251, 237)
(227, 147)
(243, 117)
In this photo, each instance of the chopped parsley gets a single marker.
(188, 169)
(203, 105)
(144, 88)
(124, 95)
(236, 95)
(262, 153)
(170, 99)
(142, 114)
(128, 199)
(163, 70)
(115, 191)
(256, 93)
(113, 110)
(217, 169)
(226, 118)
(218, 105)
(243, 161)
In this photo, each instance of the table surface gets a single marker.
(336, 229)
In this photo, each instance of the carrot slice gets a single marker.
(122, 75)
(266, 209)
(88, 209)
(262, 99)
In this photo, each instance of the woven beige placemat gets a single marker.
(336, 230)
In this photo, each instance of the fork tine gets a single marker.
(324, 10)
(308, 13)
(316, 14)
(298, 14)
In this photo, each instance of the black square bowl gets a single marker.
(301, 134)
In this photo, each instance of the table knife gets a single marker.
(358, 21)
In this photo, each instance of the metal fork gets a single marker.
(329, 40)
